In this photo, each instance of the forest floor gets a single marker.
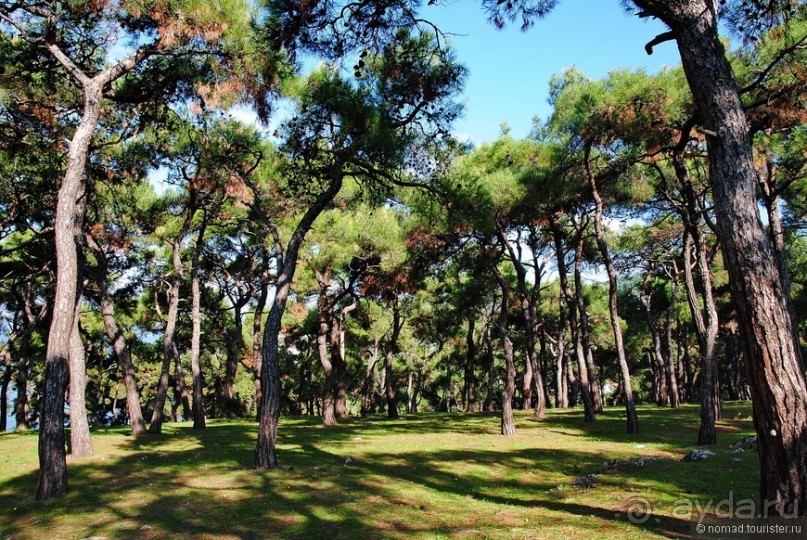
(436, 475)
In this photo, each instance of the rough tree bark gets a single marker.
(571, 314)
(613, 306)
(169, 331)
(324, 331)
(391, 349)
(469, 388)
(533, 378)
(758, 289)
(584, 331)
(118, 340)
(265, 452)
(508, 425)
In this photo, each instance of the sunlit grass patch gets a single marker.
(423, 476)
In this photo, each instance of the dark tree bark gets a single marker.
(169, 331)
(469, 388)
(257, 342)
(613, 306)
(584, 331)
(4, 393)
(508, 425)
(391, 349)
(367, 401)
(533, 378)
(571, 314)
(118, 340)
(324, 331)
(265, 453)
(67, 226)
(776, 369)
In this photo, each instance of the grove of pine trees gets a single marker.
(161, 260)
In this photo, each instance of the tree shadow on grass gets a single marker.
(200, 484)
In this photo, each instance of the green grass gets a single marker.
(423, 476)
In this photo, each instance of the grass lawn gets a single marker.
(423, 476)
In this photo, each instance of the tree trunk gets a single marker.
(4, 395)
(118, 341)
(533, 378)
(613, 306)
(340, 362)
(169, 331)
(21, 382)
(508, 426)
(591, 372)
(196, 332)
(367, 401)
(770, 338)
(672, 379)
(571, 313)
(257, 343)
(392, 348)
(469, 389)
(235, 344)
(265, 453)
(325, 322)
(67, 227)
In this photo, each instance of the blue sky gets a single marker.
(510, 69)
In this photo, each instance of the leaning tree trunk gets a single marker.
(584, 331)
(169, 345)
(119, 343)
(265, 452)
(533, 378)
(508, 422)
(571, 314)
(67, 226)
(325, 322)
(770, 338)
(124, 355)
(613, 306)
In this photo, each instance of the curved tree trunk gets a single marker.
(169, 331)
(118, 341)
(571, 314)
(533, 378)
(584, 331)
(325, 322)
(613, 307)
(776, 369)
(508, 426)
(367, 401)
(265, 452)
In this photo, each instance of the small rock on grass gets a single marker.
(146, 528)
(698, 455)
